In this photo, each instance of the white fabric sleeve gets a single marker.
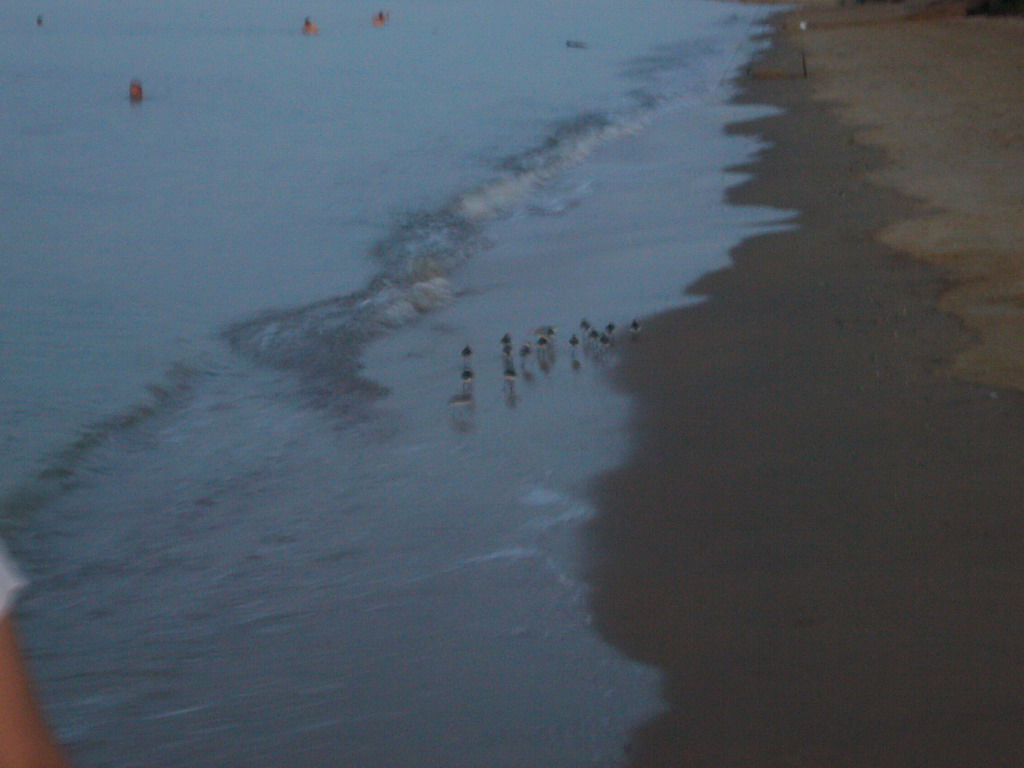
(10, 582)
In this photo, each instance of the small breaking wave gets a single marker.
(59, 471)
(322, 341)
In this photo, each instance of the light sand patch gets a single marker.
(944, 97)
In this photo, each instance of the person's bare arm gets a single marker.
(25, 740)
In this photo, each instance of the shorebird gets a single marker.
(634, 329)
(525, 351)
(610, 330)
(593, 335)
(574, 342)
(506, 339)
(467, 379)
(511, 399)
(506, 350)
(467, 352)
(543, 345)
(510, 383)
(585, 326)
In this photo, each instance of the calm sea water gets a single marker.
(266, 517)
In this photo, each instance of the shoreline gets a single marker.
(817, 537)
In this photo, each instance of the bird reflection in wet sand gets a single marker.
(545, 354)
(462, 402)
(525, 352)
(466, 377)
(463, 406)
(510, 376)
(574, 343)
(463, 413)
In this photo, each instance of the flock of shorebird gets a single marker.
(589, 340)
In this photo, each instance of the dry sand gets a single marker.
(952, 122)
(819, 537)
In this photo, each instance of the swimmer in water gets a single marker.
(309, 28)
(135, 91)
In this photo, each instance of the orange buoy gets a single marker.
(135, 91)
(309, 28)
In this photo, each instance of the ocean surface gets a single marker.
(270, 513)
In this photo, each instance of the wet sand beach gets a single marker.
(819, 536)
